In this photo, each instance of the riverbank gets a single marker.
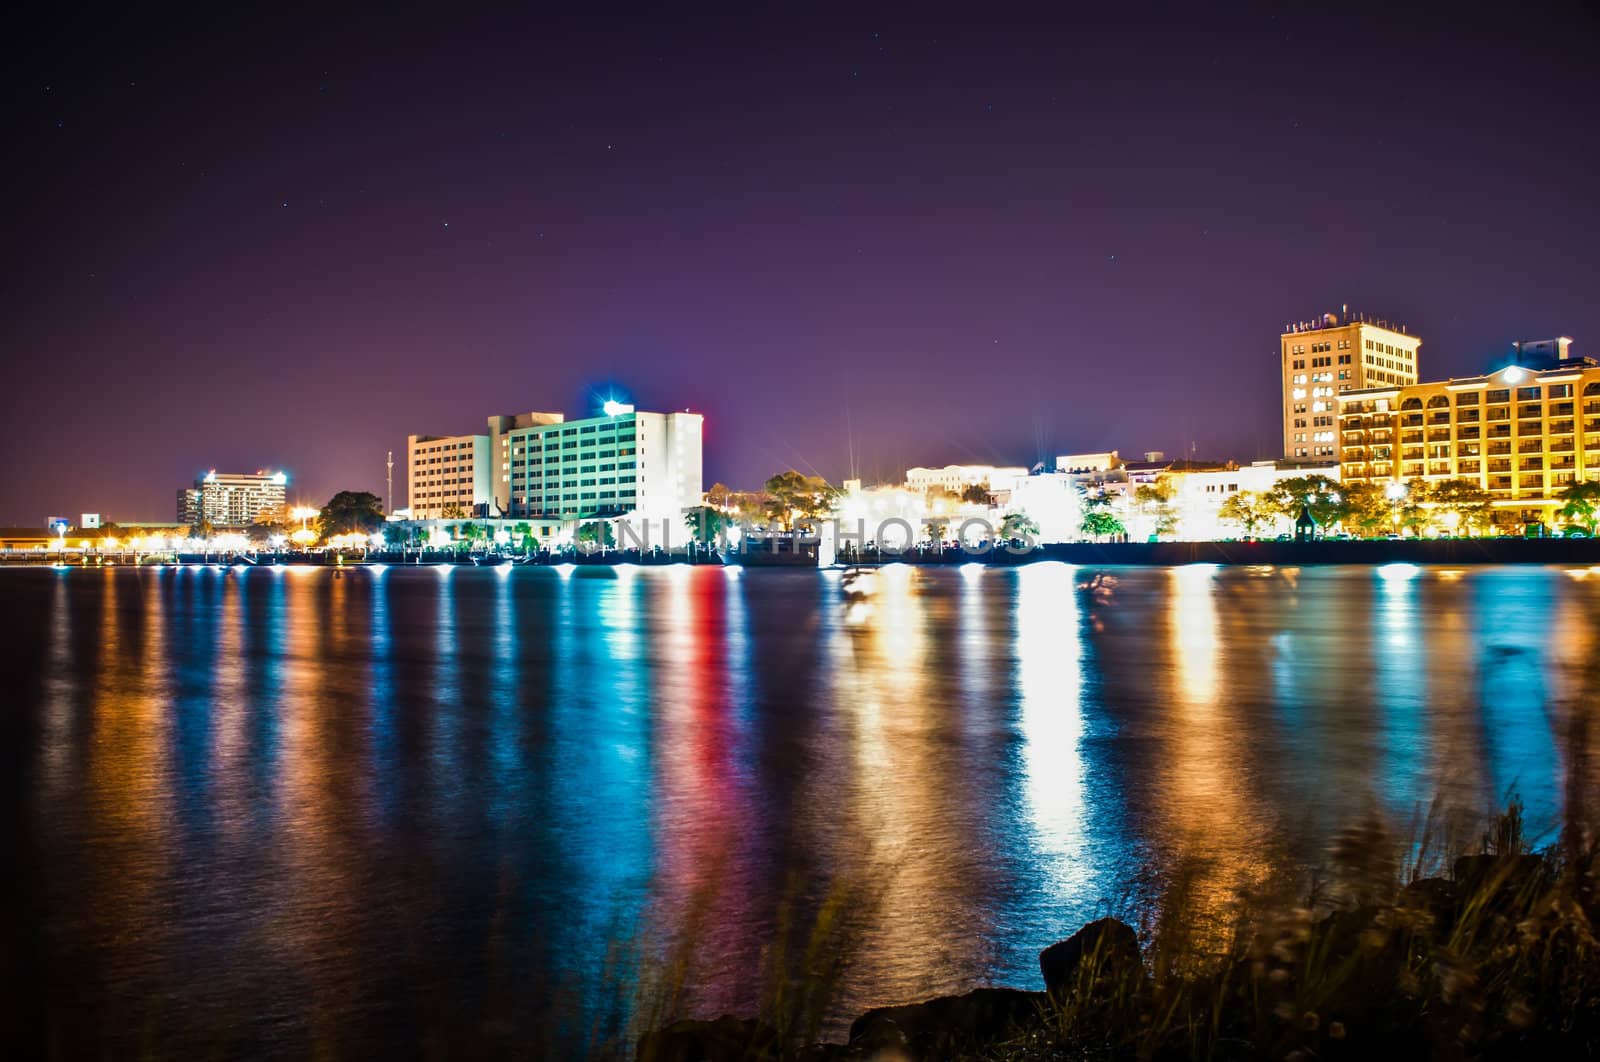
(1450, 552)
(1498, 959)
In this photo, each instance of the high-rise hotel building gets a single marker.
(448, 475)
(1325, 358)
(620, 463)
(231, 499)
(1523, 433)
(542, 466)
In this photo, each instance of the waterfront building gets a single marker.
(1331, 356)
(957, 478)
(624, 463)
(231, 499)
(448, 474)
(1199, 493)
(1523, 432)
(1089, 465)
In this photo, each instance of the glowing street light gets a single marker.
(613, 408)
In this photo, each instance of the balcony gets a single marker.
(1499, 448)
(1499, 466)
(1469, 468)
(1411, 420)
(1532, 464)
(1439, 418)
(1560, 427)
(1561, 409)
(1468, 433)
(1531, 483)
(1438, 434)
(1565, 446)
(1499, 431)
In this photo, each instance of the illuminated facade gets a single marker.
(623, 463)
(448, 473)
(956, 478)
(1324, 359)
(1197, 496)
(230, 499)
(1522, 433)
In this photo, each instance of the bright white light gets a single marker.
(971, 570)
(1397, 572)
(377, 569)
(564, 570)
(1395, 491)
(1513, 375)
(280, 479)
(613, 408)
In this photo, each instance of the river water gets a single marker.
(270, 812)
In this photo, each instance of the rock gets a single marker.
(947, 1025)
(725, 1040)
(1110, 946)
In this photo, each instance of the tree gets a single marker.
(352, 511)
(1318, 493)
(522, 538)
(396, 535)
(707, 524)
(794, 495)
(596, 534)
(721, 497)
(1367, 509)
(1017, 526)
(1154, 500)
(1247, 509)
(453, 511)
(975, 494)
(1098, 522)
(1581, 505)
(1467, 507)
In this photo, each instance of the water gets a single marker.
(270, 812)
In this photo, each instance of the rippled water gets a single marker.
(261, 811)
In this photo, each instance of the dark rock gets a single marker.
(949, 1024)
(725, 1040)
(1109, 946)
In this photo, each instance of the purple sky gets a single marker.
(275, 241)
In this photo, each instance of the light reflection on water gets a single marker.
(270, 810)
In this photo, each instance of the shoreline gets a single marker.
(1454, 552)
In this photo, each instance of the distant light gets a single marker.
(613, 408)
(280, 479)
(1513, 375)
(1395, 491)
(211, 477)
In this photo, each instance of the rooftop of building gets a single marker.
(1344, 319)
(1539, 358)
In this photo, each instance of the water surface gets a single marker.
(275, 811)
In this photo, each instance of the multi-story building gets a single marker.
(230, 499)
(448, 475)
(1523, 432)
(1329, 357)
(1198, 494)
(646, 466)
(957, 478)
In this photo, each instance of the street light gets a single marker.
(1396, 493)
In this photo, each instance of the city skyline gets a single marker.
(873, 242)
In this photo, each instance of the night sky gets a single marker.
(285, 240)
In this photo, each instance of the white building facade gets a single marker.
(640, 466)
(956, 478)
